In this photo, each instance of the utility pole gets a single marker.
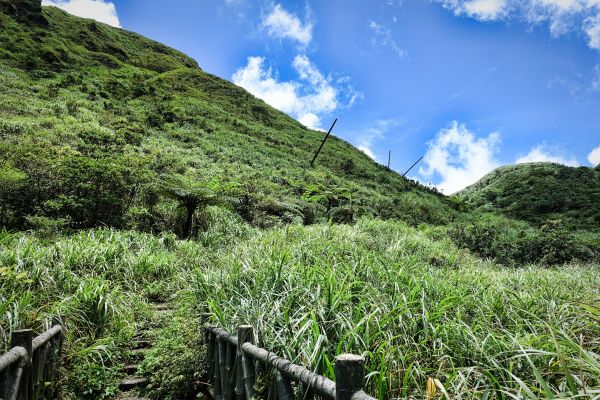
(411, 167)
(322, 143)
(389, 158)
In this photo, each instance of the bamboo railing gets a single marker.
(239, 370)
(29, 370)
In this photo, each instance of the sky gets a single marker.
(468, 84)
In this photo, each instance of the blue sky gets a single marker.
(470, 84)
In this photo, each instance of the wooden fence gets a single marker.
(239, 370)
(29, 370)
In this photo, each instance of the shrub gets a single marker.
(47, 227)
(512, 242)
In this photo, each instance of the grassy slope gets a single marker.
(77, 93)
(415, 305)
(84, 96)
(409, 299)
(538, 192)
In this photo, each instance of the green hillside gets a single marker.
(100, 126)
(539, 192)
(116, 150)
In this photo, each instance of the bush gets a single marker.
(47, 227)
(93, 375)
(513, 242)
(218, 226)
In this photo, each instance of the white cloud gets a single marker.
(382, 38)
(283, 25)
(592, 30)
(310, 120)
(459, 157)
(367, 150)
(485, 9)
(307, 99)
(561, 16)
(366, 139)
(541, 154)
(100, 10)
(594, 156)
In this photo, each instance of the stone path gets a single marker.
(133, 383)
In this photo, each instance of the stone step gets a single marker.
(163, 312)
(142, 344)
(130, 396)
(132, 383)
(160, 306)
(137, 355)
(131, 369)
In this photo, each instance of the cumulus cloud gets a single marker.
(367, 138)
(592, 30)
(541, 153)
(282, 24)
(459, 157)
(307, 99)
(485, 9)
(594, 156)
(100, 10)
(367, 150)
(561, 16)
(382, 38)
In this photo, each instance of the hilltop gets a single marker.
(539, 192)
(103, 127)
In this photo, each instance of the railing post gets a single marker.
(24, 338)
(217, 369)
(57, 356)
(349, 375)
(222, 351)
(230, 370)
(210, 356)
(284, 387)
(245, 333)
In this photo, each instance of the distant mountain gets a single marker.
(538, 192)
(100, 126)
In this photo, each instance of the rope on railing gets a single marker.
(239, 370)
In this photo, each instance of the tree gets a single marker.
(193, 194)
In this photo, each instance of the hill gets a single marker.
(101, 126)
(539, 192)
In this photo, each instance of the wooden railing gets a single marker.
(239, 370)
(29, 370)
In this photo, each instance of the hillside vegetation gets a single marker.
(129, 177)
(100, 126)
(539, 192)
(408, 299)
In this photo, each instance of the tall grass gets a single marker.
(99, 281)
(415, 307)
(420, 309)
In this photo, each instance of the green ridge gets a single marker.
(539, 192)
